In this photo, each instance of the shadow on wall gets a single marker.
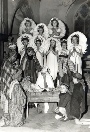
(27, 8)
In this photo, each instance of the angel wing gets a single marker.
(82, 41)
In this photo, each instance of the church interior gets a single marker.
(75, 16)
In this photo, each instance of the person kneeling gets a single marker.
(63, 108)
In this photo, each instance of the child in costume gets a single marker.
(17, 101)
(63, 108)
(56, 28)
(77, 45)
(27, 26)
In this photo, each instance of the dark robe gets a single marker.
(32, 67)
(77, 106)
(64, 101)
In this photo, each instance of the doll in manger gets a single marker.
(77, 45)
(44, 83)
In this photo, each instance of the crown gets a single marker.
(38, 39)
(12, 46)
(41, 26)
(25, 38)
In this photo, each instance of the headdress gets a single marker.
(38, 39)
(54, 19)
(65, 56)
(64, 41)
(25, 38)
(77, 75)
(12, 46)
(41, 26)
(65, 84)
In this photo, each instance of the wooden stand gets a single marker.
(44, 97)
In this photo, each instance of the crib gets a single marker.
(44, 97)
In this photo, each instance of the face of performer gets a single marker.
(28, 24)
(25, 42)
(38, 44)
(54, 24)
(75, 41)
(52, 43)
(30, 52)
(63, 89)
(64, 45)
(40, 30)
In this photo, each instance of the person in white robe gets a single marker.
(77, 45)
(53, 49)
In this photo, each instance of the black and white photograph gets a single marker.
(44, 65)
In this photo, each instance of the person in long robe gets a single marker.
(16, 104)
(77, 46)
(37, 43)
(22, 43)
(52, 57)
(30, 65)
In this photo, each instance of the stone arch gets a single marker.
(71, 12)
(23, 10)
